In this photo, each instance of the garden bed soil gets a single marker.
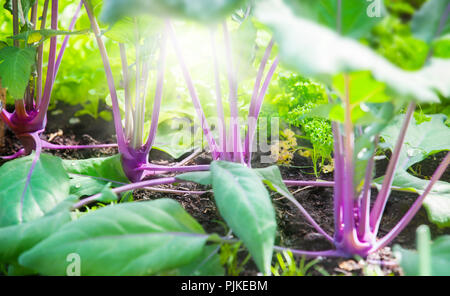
(293, 230)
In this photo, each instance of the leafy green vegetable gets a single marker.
(421, 141)
(16, 239)
(127, 239)
(109, 168)
(244, 203)
(15, 69)
(21, 202)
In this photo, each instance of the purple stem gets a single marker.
(19, 153)
(127, 187)
(158, 95)
(40, 53)
(193, 93)
(128, 104)
(364, 219)
(309, 183)
(232, 98)
(382, 197)
(187, 168)
(348, 196)
(309, 218)
(47, 145)
(66, 39)
(338, 180)
(414, 208)
(328, 253)
(257, 108)
(256, 86)
(123, 148)
(37, 141)
(219, 104)
(50, 68)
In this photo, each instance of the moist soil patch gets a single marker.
(293, 230)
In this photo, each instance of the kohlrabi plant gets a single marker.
(21, 72)
(364, 92)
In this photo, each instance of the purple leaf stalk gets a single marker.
(229, 146)
(130, 136)
(29, 118)
(356, 223)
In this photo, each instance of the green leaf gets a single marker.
(49, 185)
(322, 53)
(426, 22)
(271, 176)
(17, 239)
(440, 258)
(124, 30)
(203, 178)
(437, 202)
(421, 140)
(107, 195)
(15, 69)
(201, 10)
(351, 20)
(208, 264)
(244, 203)
(173, 136)
(107, 168)
(142, 238)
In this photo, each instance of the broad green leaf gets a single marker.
(437, 202)
(15, 69)
(440, 258)
(272, 177)
(106, 168)
(244, 203)
(48, 186)
(124, 30)
(201, 10)
(322, 53)
(107, 195)
(421, 140)
(86, 186)
(349, 18)
(431, 20)
(174, 136)
(203, 178)
(142, 238)
(208, 264)
(16, 239)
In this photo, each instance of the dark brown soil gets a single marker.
(293, 230)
